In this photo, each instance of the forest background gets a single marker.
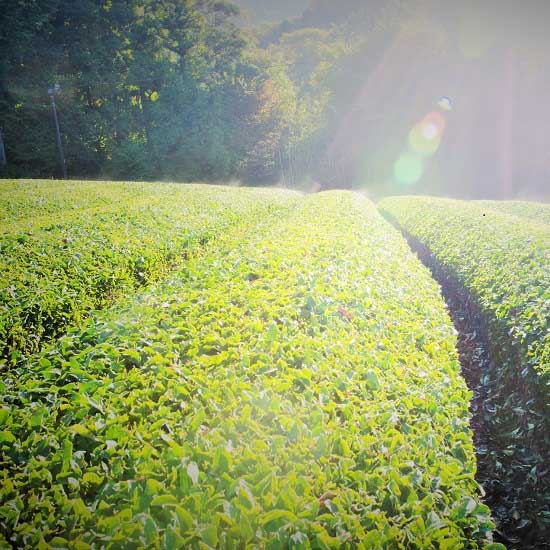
(306, 94)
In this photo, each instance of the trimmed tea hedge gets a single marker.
(297, 386)
(24, 199)
(502, 263)
(533, 211)
(57, 268)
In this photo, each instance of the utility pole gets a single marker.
(292, 176)
(51, 92)
(282, 167)
(3, 160)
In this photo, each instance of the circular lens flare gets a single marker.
(435, 119)
(408, 169)
(424, 140)
(425, 137)
(429, 131)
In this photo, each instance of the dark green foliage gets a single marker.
(172, 89)
(148, 89)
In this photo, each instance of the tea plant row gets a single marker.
(22, 200)
(55, 269)
(532, 211)
(501, 261)
(295, 386)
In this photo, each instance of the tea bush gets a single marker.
(501, 263)
(295, 386)
(533, 211)
(56, 268)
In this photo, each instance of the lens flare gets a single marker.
(425, 137)
(445, 104)
(408, 169)
(429, 131)
(424, 140)
(435, 119)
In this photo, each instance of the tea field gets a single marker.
(207, 367)
(532, 211)
(69, 250)
(497, 255)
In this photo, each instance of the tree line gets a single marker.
(148, 89)
(182, 90)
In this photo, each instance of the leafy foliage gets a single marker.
(503, 262)
(173, 89)
(259, 11)
(533, 211)
(27, 200)
(95, 242)
(145, 88)
(297, 385)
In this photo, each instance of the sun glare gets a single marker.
(424, 141)
(429, 131)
